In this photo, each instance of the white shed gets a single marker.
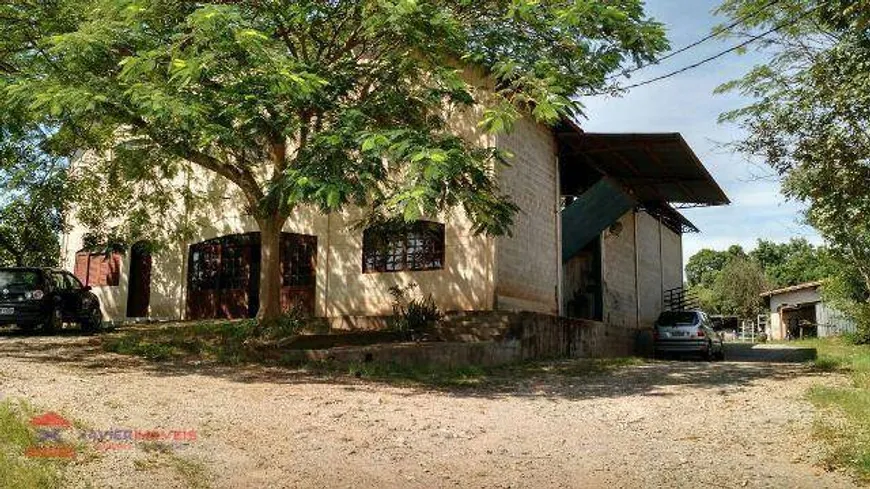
(799, 311)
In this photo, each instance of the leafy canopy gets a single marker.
(810, 112)
(316, 102)
(33, 195)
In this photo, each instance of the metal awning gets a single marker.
(654, 167)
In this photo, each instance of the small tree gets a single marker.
(311, 102)
(739, 286)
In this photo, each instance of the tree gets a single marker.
(704, 266)
(738, 288)
(810, 113)
(32, 201)
(794, 262)
(306, 102)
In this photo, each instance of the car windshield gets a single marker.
(668, 319)
(18, 280)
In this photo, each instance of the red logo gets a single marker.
(50, 420)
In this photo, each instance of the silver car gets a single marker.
(680, 332)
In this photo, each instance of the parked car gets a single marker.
(687, 332)
(46, 298)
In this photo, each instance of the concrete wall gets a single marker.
(528, 263)
(639, 262)
(651, 276)
(515, 337)
(618, 271)
(672, 258)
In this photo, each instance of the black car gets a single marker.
(46, 297)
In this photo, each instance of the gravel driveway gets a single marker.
(658, 424)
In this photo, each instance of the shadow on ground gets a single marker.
(566, 379)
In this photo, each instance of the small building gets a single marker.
(800, 312)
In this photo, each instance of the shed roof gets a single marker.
(793, 288)
(655, 167)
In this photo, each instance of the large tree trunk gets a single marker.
(270, 268)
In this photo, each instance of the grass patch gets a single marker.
(16, 435)
(473, 376)
(848, 430)
(221, 341)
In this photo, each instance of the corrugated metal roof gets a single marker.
(654, 167)
(793, 288)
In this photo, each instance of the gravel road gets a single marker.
(659, 424)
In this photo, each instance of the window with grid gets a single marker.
(234, 269)
(297, 261)
(204, 267)
(416, 246)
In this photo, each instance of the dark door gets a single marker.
(139, 288)
(224, 276)
(298, 272)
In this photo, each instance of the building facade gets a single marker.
(596, 237)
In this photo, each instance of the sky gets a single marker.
(685, 103)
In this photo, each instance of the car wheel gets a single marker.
(93, 322)
(708, 353)
(54, 321)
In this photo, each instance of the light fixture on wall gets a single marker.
(615, 229)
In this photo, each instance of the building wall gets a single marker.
(618, 270)
(528, 263)
(672, 258)
(650, 276)
(342, 289)
(655, 253)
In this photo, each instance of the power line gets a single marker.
(713, 34)
(715, 56)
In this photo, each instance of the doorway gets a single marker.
(139, 284)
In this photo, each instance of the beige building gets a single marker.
(597, 237)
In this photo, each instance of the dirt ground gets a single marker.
(739, 423)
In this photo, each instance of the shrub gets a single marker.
(291, 323)
(413, 316)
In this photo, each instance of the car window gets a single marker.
(19, 280)
(58, 281)
(72, 282)
(678, 318)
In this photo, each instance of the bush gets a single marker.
(291, 323)
(413, 316)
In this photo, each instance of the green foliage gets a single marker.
(303, 102)
(739, 287)
(16, 436)
(343, 102)
(850, 438)
(413, 315)
(288, 324)
(704, 266)
(33, 198)
(809, 113)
